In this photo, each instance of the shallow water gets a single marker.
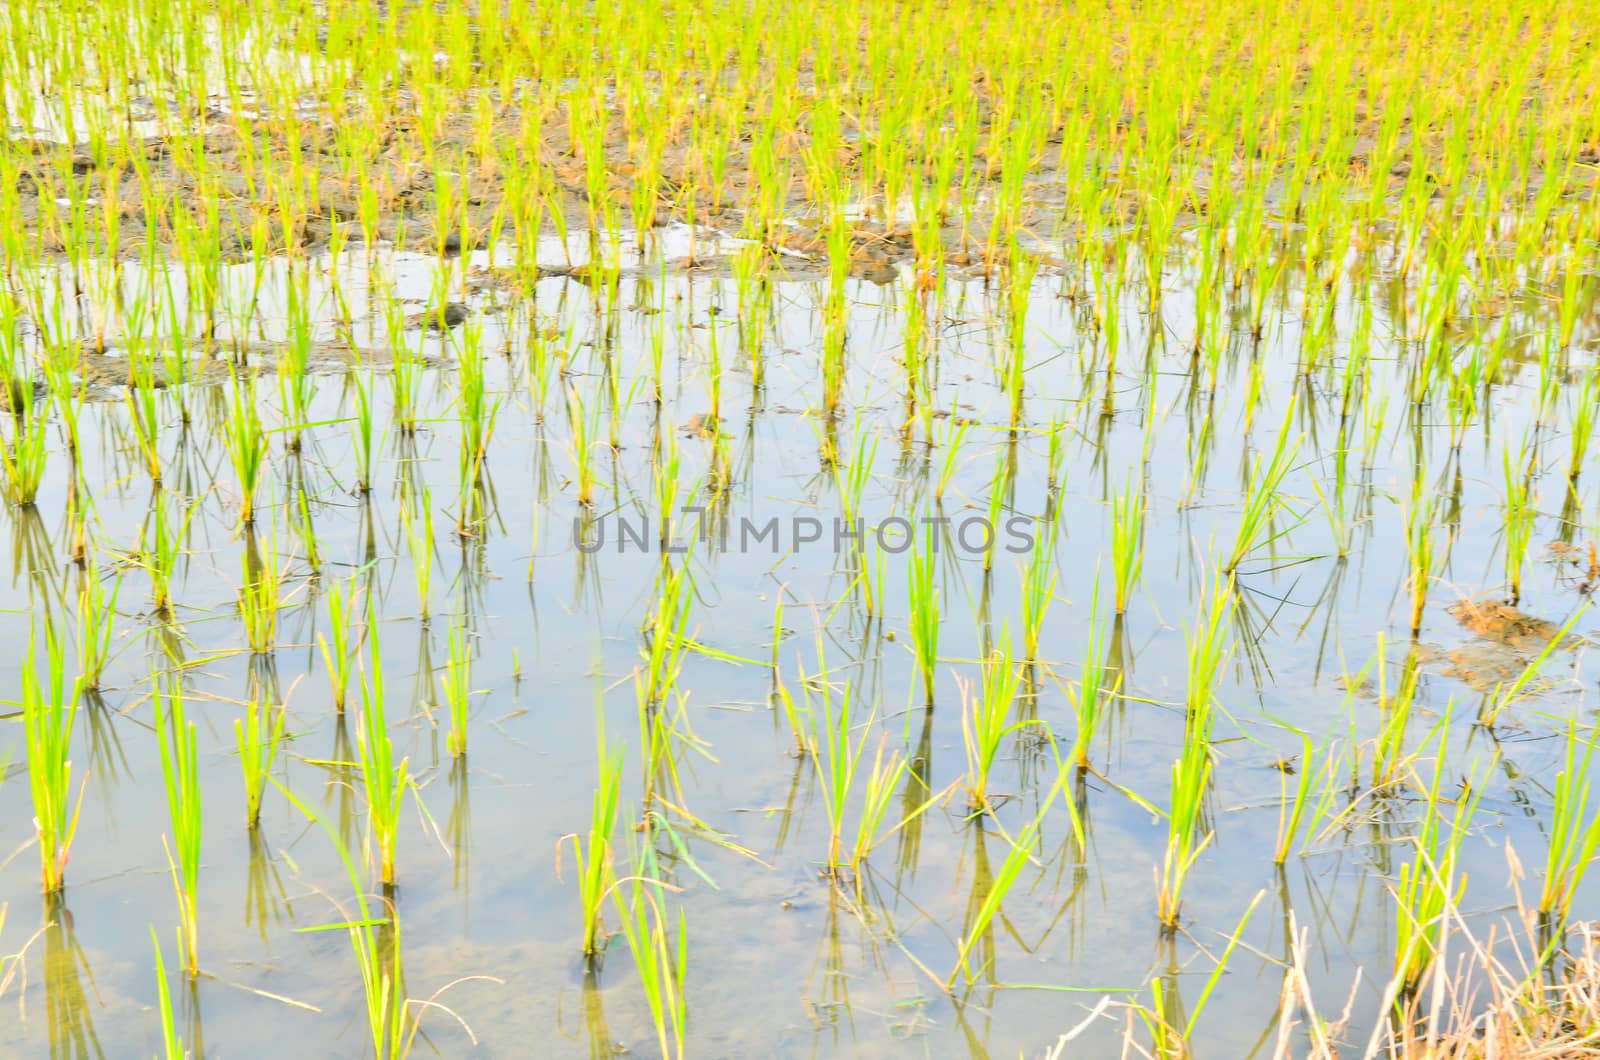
(780, 961)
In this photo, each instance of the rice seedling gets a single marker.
(383, 779)
(261, 597)
(1263, 501)
(985, 722)
(1169, 1040)
(1038, 589)
(97, 612)
(180, 776)
(1127, 541)
(417, 519)
(1314, 793)
(1016, 859)
(48, 712)
(1389, 757)
(1519, 516)
(375, 939)
(1420, 514)
(924, 621)
(247, 446)
(1574, 833)
(171, 1044)
(457, 686)
(259, 735)
(1096, 687)
(338, 645)
(363, 431)
(662, 965)
(1429, 885)
(1508, 692)
(1187, 837)
(596, 877)
(25, 457)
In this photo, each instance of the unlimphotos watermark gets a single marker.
(894, 534)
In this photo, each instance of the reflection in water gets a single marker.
(266, 901)
(70, 1018)
(458, 829)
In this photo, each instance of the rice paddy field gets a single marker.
(964, 528)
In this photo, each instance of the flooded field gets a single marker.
(791, 530)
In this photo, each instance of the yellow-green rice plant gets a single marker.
(259, 734)
(1574, 833)
(949, 454)
(837, 754)
(1508, 692)
(1420, 514)
(1519, 517)
(985, 721)
(97, 614)
(384, 780)
(1209, 646)
(1017, 858)
(363, 431)
(260, 598)
(180, 775)
(1095, 690)
(417, 517)
(1127, 541)
(662, 963)
(457, 685)
(1186, 838)
(1172, 1042)
(340, 644)
(1430, 887)
(145, 412)
(596, 877)
(924, 618)
(48, 712)
(1263, 502)
(247, 445)
(375, 938)
(171, 1044)
(25, 456)
(1300, 811)
(1038, 589)
(1389, 758)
